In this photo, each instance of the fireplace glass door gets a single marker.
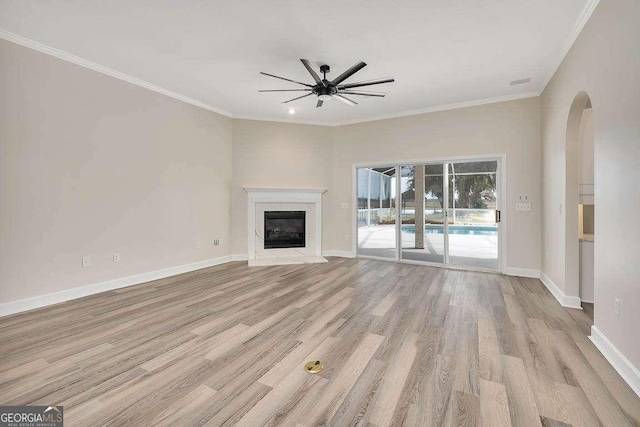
(284, 229)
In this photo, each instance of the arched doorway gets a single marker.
(579, 205)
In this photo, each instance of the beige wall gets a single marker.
(282, 155)
(585, 149)
(270, 154)
(91, 165)
(604, 62)
(511, 127)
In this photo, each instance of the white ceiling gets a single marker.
(441, 53)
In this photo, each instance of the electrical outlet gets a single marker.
(217, 242)
(523, 198)
(617, 306)
(346, 237)
(523, 206)
(116, 257)
(197, 244)
(86, 261)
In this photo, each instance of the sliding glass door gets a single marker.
(473, 215)
(437, 213)
(423, 229)
(376, 212)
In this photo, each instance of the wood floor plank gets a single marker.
(522, 403)
(467, 410)
(494, 405)
(325, 408)
(393, 382)
(401, 345)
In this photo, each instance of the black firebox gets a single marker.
(284, 229)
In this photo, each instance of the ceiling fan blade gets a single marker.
(319, 104)
(344, 99)
(364, 93)
(311, 71)
(351, 71)
(303, 96)
(284, 90)
(282, 78)
(367, 83)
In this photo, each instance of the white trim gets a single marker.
(65, 56)
(620, 363)
(523, 272)
(342, 254)
(294, 191)
(573, 36)
(448, 159)
(285, 120)
(354, 210)
(504, 213)
(586, 189)
(19, 306)
(32, 44)
(564, 300)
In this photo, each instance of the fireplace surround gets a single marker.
(287, 202)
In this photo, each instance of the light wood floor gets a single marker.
(401, 345)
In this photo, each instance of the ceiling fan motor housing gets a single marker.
(325, 89)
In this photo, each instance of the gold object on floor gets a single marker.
(313, 367)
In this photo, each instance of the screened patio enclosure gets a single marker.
(455, 222)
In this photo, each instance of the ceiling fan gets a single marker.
(326, 90)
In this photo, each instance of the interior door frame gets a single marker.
(501, 204)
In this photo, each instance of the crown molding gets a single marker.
(287, 121)
(573, 36)
(575, 32)
(446, 107)
(32, 44)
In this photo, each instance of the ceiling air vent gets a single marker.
(520, 82)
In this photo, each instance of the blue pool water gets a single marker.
(469, 230)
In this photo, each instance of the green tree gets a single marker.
(473, 185)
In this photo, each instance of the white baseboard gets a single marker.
(343, 254)
(625, 368)
(19, 306)
(523, 272)
(564, 300)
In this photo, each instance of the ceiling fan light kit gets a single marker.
(326, 90)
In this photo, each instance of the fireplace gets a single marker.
(298, 209)
(284, 229)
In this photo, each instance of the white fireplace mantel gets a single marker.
(310, 198)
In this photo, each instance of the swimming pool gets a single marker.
(468, 230)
